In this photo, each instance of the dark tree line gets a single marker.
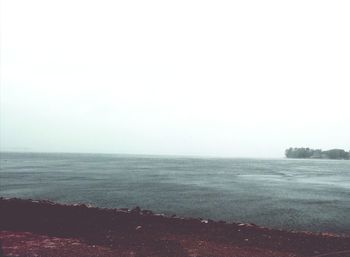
(306, 153)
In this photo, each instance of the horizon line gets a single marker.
(144, 154)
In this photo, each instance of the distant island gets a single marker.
(307, 153)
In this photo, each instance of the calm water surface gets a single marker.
(290, 194)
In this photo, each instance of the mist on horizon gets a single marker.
(212, 78)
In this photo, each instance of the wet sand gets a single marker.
(42, 228)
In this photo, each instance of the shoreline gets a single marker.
(143, 230)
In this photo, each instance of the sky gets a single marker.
(186, 77)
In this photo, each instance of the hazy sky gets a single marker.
(222, 78)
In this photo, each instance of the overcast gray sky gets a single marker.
(220, 78)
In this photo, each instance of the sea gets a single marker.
(290, 194)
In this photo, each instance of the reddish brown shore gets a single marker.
(43, 228)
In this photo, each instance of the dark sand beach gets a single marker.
(43, 228)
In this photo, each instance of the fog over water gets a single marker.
(281, 193)
(217, 78)
(182, 107)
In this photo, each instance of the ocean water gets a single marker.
(303, 195)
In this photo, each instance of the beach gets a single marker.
(43, 228)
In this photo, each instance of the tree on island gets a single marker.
(306, 153)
